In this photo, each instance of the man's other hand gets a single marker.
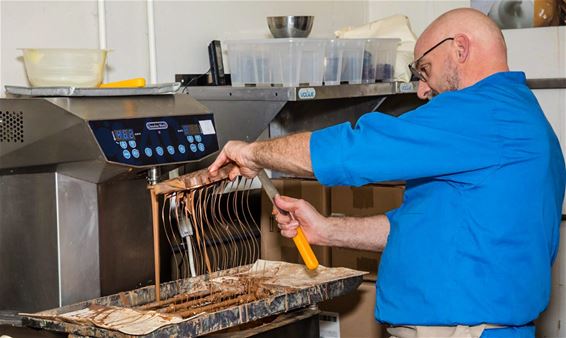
(304, 215)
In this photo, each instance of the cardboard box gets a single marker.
(278, 248)
(357, 259)
(355, 313)
(358, 202)
(365, 201)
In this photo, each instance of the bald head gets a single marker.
(476, 51)
(467, 21)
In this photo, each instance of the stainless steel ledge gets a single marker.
(550, 83)
(302, 93)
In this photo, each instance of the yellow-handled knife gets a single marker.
(300, 240)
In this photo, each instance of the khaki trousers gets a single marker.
(459, 331)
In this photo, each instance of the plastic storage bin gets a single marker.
(250, 63)
(343, 61)
(379, 60)
(276, 62)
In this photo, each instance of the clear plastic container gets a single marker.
(249, 63)
(62, 67)
(343, 61)
(379, 60)
(276, 62)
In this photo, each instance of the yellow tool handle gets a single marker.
(305, 250)
(300, 240)
(130, 83)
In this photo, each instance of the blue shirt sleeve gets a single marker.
(382, 147)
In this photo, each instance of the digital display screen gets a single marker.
(191, 129)
(123, 135)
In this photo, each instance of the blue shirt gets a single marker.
(475, 237)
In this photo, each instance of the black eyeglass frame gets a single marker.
(412, 66)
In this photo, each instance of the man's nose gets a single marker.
(423, 90)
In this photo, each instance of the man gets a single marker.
(472, 245)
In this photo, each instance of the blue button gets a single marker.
(198, 138)
(126, 154)
(190, 138)
(181, 148)
(136, 153)
(193, 147)
(201, 147)
(148, 152)
(171, 150)
(159, 151)
(123, 144)
(132, 143)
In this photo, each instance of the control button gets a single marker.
(148, 152)
(159, 151)
(201, 147)
(132, 143)
(171, 150)
(198, 138)
(136, 153)
(193, 147)
(190, 138)
(123, 144)
(126, 154)
(181, 148)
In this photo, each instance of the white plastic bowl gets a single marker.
(64, 67)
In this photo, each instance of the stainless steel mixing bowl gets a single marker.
(290, 26)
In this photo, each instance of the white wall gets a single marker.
(183, 30)
(421, 13)
(42, 24)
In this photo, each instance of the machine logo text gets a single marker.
(156, 125)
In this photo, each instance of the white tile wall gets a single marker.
(420, 13)
(562, 51)
(40, 24)
(539, 52)
(126, 35)
(186, 27)
(183, 30)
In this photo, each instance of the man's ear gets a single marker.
(462, 43)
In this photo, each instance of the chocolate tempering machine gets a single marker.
(78, 240)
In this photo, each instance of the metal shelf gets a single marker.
(308, 93)
(302, 93)
(550, 83)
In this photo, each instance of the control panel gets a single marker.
(154, 141)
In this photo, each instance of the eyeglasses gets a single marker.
(413, 65)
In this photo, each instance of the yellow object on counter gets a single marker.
(130, 83)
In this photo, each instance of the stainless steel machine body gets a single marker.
(74, 220)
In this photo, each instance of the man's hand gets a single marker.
(304, 215)
(362, 233)
(289, 154)
(241, 154)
